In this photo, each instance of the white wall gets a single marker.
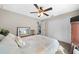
(11, 21)
(59, 27)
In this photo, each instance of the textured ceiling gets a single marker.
(25, 9)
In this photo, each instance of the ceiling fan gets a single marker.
(40, 11)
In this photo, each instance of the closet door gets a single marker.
(75, 30)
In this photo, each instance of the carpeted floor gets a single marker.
(66, 46)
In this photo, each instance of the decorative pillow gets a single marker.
(19, 42)
(4, 32)
(1, 37)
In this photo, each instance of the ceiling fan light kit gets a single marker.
(40, 11)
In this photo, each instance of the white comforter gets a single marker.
(34, 44)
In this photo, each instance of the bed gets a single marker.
(36, 44)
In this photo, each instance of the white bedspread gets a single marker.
(34, 44)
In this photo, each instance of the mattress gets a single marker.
(36, 44)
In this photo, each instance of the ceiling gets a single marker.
(25, 9)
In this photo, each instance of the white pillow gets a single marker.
(8, 44)
(9, 40)
(19, 42)
(1, 37)
(60, 50)
(13, 41)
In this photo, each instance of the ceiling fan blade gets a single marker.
(45, 14)
(33, 12)
(48, 9)
(41, 8)
(36, 6)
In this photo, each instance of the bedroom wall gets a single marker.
(59, 27)
(10, 21)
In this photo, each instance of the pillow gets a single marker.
(60, 50)
(19, 42)
(8, 45)
(9, 40)
(1, 37)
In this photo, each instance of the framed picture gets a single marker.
(23, 31)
